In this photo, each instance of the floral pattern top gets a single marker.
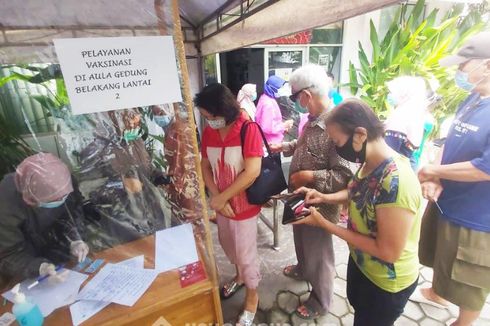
(392, 184)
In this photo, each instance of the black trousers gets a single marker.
(374, 306)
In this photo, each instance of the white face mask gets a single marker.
(217, 124)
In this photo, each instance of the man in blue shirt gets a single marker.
(458, 244)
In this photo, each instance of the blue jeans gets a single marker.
(374, 306)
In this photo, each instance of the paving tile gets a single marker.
(304, 297)
(348, 320)
(404, 321)
(340, 287)
(430, 322)
(296, 321)
(278, 317)
(427, 273)
(485, 313)
(341, 271)
(413, 311)
(287, 301)
(297, 287)
(328, 320)
(339, 306)
(435, 313)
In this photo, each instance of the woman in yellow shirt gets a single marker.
(384, 199)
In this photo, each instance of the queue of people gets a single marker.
(388, 227)
(389, 231)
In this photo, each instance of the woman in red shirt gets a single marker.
(229, 167)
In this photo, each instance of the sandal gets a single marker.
(229, 289)
(310, 313)
(246, 318)
(291, 271)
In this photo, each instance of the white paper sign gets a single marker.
(111, 73)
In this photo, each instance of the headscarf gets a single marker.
(272, 85)
(42, 178)
(408, 117)
(245, 99)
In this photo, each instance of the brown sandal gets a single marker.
(291, 271)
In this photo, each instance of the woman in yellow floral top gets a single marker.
(384, 200)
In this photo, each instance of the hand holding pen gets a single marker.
(49, 271)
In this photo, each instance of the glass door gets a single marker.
(281, 61)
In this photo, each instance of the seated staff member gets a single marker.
(385, 213)
(39, 212)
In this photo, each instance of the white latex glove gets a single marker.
(54, 277)
(79, 249)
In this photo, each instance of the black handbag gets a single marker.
(271, 180)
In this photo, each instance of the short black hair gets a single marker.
(218, 100)
(354, 113)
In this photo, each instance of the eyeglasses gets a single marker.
(295, 95)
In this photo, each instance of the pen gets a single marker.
(42, 278)
(438, 207)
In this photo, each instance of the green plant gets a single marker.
(413, 48)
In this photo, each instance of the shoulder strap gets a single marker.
(243, 131)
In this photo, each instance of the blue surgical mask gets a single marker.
(298, 107)
(254, 97)
(162, 120)
(461, 79)
(53, 204)
(217, 124)
(390, 99)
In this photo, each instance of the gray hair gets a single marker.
(313, 77)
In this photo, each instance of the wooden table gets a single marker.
(197, 303)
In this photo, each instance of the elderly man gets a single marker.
(460, 185)
(315, 164)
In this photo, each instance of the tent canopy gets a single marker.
(28, 27)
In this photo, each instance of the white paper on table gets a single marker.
(175, 247)
(6, 319)
(50, 296)
(135, 262)
(118, 284)
(82, 310)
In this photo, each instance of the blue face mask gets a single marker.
(53, 204)
(298, 107)
(461, 80)
(390, 99)
(254, 97)
(162, 120)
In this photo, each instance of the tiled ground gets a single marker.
(279, 295)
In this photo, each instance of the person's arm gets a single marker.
(314, 197)
(288, 148)
(462, 172)
(244, 180)
(207, 174)
(16, 259)
(394, 225)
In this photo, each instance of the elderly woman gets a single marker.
(385, 202)
(246, 97)
(40, 210)
(269, 115)
(229, 167)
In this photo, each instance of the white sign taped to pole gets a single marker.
(111, 73)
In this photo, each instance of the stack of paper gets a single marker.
(83, 310)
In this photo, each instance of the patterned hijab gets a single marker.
(42, 178)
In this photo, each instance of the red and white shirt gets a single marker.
(227, 161)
